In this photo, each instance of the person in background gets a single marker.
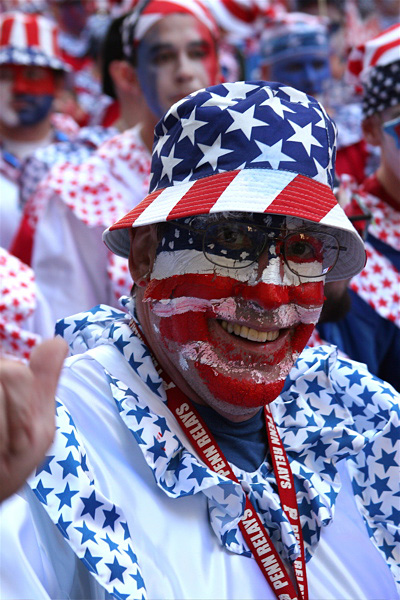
(76, 202)
(370, 331)
(31, 76)
(196, 426)
(295, 50)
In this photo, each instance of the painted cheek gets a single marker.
(39, 87)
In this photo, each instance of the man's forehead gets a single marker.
(177, 29)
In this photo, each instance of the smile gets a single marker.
(248, 333)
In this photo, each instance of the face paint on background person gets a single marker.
(305, 72)
(26, 94)
(195, 312)
(176, 57)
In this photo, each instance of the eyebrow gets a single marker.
(195, 44)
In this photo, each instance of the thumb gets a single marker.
(46, 363)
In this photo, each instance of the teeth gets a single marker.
(248, 333)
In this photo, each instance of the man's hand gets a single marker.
(27, 412)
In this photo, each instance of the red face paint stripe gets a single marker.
(302, 197)
(199, 200)
(210, 287)
(133, 214)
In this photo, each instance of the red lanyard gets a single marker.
(253, 530)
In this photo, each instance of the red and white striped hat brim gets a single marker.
(247, 190)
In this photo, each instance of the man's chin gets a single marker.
(251, 391)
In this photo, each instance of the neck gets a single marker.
(389, 181)
(23, 133)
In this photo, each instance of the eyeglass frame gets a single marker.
(202, 232)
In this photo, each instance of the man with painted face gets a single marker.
(31, 76)
(295, 50)
(370, 332)
(199, 452)
(73, 269)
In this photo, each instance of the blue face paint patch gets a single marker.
(392, 128)
(235, 240)
(35, 109)
(147, 74)
(306, 72)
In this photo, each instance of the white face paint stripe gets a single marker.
(284, 316)
(193, 262)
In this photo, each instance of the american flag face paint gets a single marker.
(169, 66)
(234, 332)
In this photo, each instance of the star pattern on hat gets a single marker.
(258, 126)
(353, 415)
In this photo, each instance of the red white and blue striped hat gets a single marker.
(249, 147)
(27, 39)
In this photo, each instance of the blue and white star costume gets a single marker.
(127, 495)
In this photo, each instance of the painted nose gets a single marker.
(20, 85)
(184, 70)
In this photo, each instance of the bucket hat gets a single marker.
(252, 147)
(27, 39)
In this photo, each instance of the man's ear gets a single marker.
(123, 75)
(372, 130)
(142, 253)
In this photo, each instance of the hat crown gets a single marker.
(29, 39)
(243, 125)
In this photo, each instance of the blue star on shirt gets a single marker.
(45, 466)
(112, 545)
(69, 466)
(332, 420)
(90, 561)
(135, 364)
(162, 424)
(139, 413)
(71, 439)
(354, 378)
(90, 505)
(61, 326)
(374, 508)
(381, 485)
(87, 534)
(80, 324)
(154, 385)
(120, 344)
(345, 441)
(65, 496)
(110, 517)
(313, 387)
(139, 580)
(393, 434)
(157, 449)
(116, 570)
(198, 473)
(131, 554)
(126, 530)
(63, 526)
(118, 595)
(42, 492)
(387, 549)
(229, 537)
(387, 460)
